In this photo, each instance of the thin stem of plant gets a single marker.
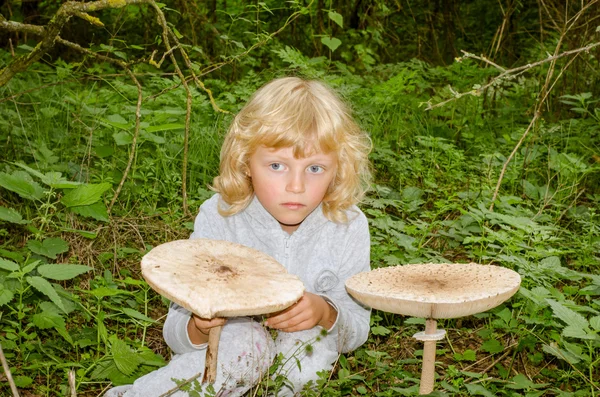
(176, 388)
(166, 32)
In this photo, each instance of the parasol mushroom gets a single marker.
(214, 278)
(434, 291)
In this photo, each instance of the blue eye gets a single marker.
(276, 166)
(315, 169)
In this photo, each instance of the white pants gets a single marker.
(246, 351)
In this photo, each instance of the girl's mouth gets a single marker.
(293, 206)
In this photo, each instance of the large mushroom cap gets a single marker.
(434, 290)
(214, 278)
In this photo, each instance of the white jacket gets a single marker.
(322, 253)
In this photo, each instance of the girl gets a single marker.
(293, 166)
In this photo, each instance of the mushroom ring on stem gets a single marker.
(434, 291)
(214, 278)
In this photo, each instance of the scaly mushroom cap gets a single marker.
(214, 278)
(434, 290)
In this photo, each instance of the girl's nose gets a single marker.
(296, 183)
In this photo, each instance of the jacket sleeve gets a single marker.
(351, 328)
(175, 327)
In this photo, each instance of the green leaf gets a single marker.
(96, 211)
(126, 360)
(103, 369)
(46, 288)
(573, 331)
(12, 255)
(337, 18)
(179, 35)
(104, 151)
(23, 381)
(148, 136)
(50, 247)
(53, 179)
(65, 334)
(19, 183)
(123, 138)
(331, 42)
(62, 271)
(56, 180)
(85, 195)
(492, 346)
(567, 315)
(478, 390)
(30, 170)
(49, 307)
(166, 127)
(595, 323)
(102, 292)
(379, 330)
(520, 382)
(148, 357)
(562, 354)
(84, 233)
(117, 121)
(121, 55)
(28, 268)
(6, 295)
(468, 355)
(136, 314)
(8, 265)
(45, 320)
(12, 216)
(412, 193)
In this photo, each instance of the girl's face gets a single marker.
(290, 188)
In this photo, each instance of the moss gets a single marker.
(117, 3)
(91, 19)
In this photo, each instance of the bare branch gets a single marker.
(165, 35)
(52, 30)
(507, 73)
(11, 26)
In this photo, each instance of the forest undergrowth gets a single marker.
(468, 167)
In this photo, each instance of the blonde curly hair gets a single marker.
(309, 117)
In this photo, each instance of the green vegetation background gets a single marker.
(75, 218)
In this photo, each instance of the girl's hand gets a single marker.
(309, 311)
(199, 327)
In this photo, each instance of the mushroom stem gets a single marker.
(428, 370)
(210, 370)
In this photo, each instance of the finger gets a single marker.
(304, 325)
(295, 306)
(275, 321)
(292, 321)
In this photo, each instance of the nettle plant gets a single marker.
(49, 323)
(52, 200)
(34, 307)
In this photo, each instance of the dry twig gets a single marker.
(9, 377)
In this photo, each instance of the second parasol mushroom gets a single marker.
(434, 291)
(214, 278)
